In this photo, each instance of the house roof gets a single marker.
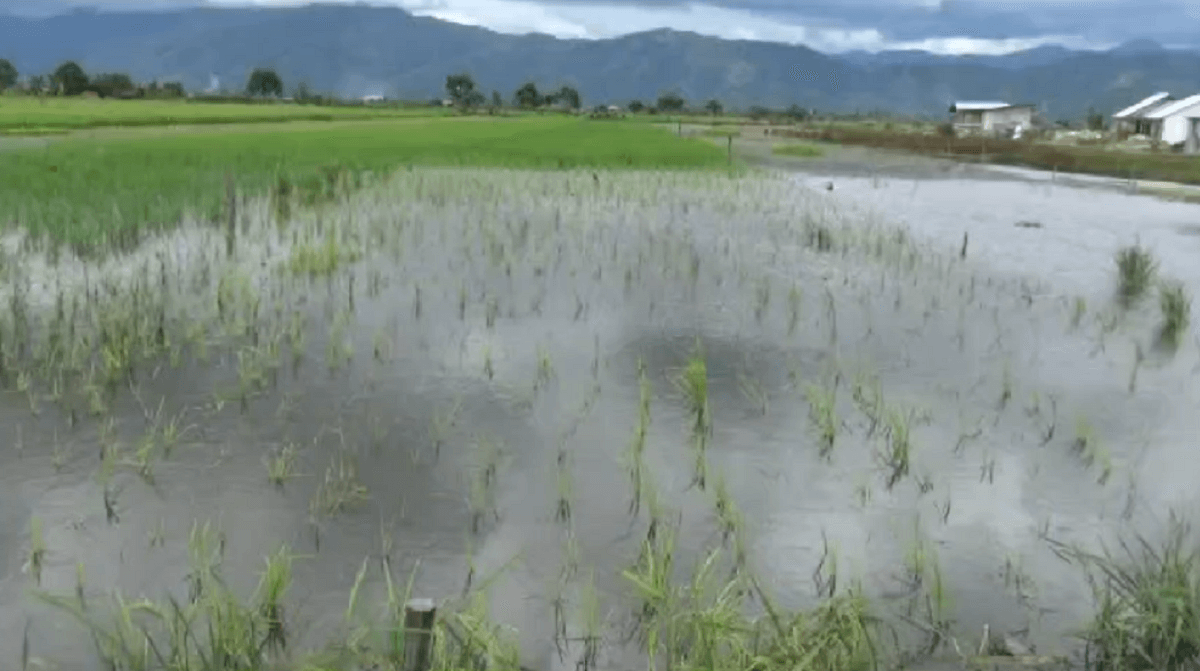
(1174, 108)
(1143, 106)
(976, 105)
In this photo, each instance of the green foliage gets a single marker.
(798, 149)
(110, 84)
(70, 79)
(73, 114)
(528, 96)
(8, 74)
(670, 102)
(87, 192)
(1136, 268)
(714, 107)
(461, 89)
(1148, 604)
(1176, 307)
(264, 82)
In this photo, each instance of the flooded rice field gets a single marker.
(503, 382)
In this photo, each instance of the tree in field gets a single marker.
(461, 89)
(8, 74)
(111, 84)
(497, 100)
(670, 102)
(797, 112)
(636, 106)
(37, 83)
(69, 79)
(528, 96)
(264, 82)
(714, 107)
(568, 96)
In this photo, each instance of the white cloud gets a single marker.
(599, 21)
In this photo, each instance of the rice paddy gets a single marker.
(28, 114)
(608, 403)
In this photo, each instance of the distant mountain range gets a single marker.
(357, 50)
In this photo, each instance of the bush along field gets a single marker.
(603, 418)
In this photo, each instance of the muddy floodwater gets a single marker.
(441, 322)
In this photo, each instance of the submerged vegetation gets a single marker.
(474, 363)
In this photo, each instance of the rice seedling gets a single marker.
(1176, 307)
(794, 298)
(281, 464)
(563, 496)
(692, 382)
(1147, 602)
(1091, 453)
(868, 396)
(896, 459)
(822, 413)
(1136, 268)
(754, 392)
(340, 490)
(482, 497)
(37, 551)
(1078, 310)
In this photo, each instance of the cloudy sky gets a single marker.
(942, 26)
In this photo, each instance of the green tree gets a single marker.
(37, 83)
(497, 101)
(670, 102)
(461, 89)
(264, 82)
(8, 74)
(70, 79)
(636, 106)
(527, 96)
(111, 84)
(797, 112)
(568, 96)
(714, 107)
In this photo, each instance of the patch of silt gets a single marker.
(449, 371)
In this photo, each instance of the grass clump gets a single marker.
(798, 150)
(1136, 268)
(1176, 307)
(1148, 603)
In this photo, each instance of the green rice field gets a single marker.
(85, 191)
(24, 113)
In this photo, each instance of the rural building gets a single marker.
(1172, 121)
(990, 117)
(1133, 119)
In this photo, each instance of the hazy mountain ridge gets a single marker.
(358, 50)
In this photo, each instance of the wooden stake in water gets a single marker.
(419, 615)
(231, 210)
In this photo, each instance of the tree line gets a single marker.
(463, 93)
(70, 79)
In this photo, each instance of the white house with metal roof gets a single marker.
(1133, 119)
(1175, 119)
(988, 116)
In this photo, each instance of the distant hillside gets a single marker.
(360, 50)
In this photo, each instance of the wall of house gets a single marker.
(1175, 129)
(1004, 120)
(968, 117)
(1192, 144)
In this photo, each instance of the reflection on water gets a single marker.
(516, 328)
